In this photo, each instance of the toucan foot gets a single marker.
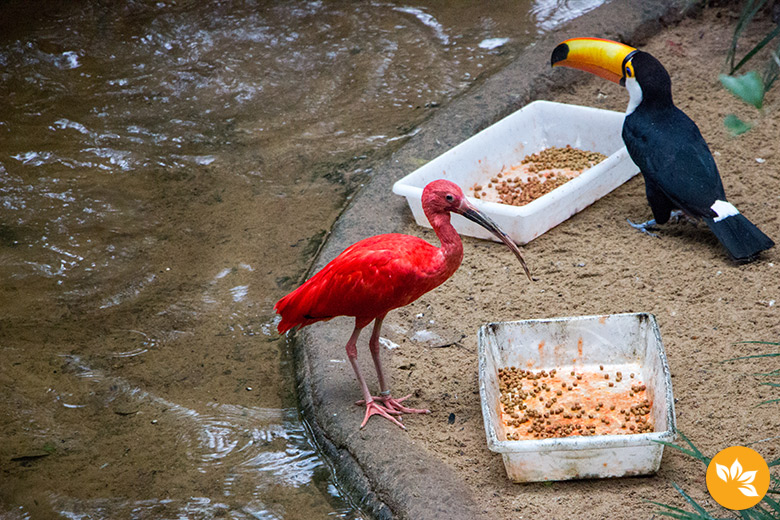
(677, 215)
(644, 227)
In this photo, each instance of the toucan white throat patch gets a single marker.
(724, 210)
(634, 95)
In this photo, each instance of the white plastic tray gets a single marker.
(536, 126)
(578, 343)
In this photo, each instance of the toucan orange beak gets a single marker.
(604, 58)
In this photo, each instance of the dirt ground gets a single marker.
(594, 263)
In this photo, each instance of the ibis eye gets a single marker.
(449, 198)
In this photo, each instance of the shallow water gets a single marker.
(168, 170)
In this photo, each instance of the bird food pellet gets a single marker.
(594, 407)
(536, 175)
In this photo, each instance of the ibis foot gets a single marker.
(387, 406)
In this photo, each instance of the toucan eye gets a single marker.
(449, 197)
(628, 72)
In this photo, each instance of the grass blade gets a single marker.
(699, 509)
(760, 45)
(746, 16)
(754, 356)
(695, 454)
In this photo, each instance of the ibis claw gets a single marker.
(375, 408)
(387, 406)
(395, 404)
(644, 227)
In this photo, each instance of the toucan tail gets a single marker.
(739, 236)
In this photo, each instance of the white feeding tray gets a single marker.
(628, 343)
(536, 126)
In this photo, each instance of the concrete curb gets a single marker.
(380, 467)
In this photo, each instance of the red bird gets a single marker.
(382, 273)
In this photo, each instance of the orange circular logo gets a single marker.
(737, 478)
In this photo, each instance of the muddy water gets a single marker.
(168, 170)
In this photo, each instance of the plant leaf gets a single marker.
(769, 37)
(746, 16)
(699, 509)
(735, 125)
(748, 87)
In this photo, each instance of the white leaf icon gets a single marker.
(736, 469)
(748, 490)
(723, 472)
(747, 477)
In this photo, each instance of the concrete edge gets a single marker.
(380, 467)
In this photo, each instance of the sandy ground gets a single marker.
(594, 263)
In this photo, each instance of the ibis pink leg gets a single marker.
(372, 407)
(384, 395)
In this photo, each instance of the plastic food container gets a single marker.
(631, 342)
(536, 126)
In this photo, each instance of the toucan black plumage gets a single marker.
(667, 146)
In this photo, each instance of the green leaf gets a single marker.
(748, 87)
(735, 125)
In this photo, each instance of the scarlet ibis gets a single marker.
(385, 272)
(679, 170)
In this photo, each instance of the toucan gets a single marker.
(677, 165)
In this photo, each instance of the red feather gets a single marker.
(370, 278)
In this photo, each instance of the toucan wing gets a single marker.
(672, 155)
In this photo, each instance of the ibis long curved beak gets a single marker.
(472, 213)
(605, 58)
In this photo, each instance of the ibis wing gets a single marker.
(368, 279)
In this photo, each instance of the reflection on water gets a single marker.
(167, 171)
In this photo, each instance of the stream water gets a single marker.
(168, 169)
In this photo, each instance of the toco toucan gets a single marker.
(666, 145)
